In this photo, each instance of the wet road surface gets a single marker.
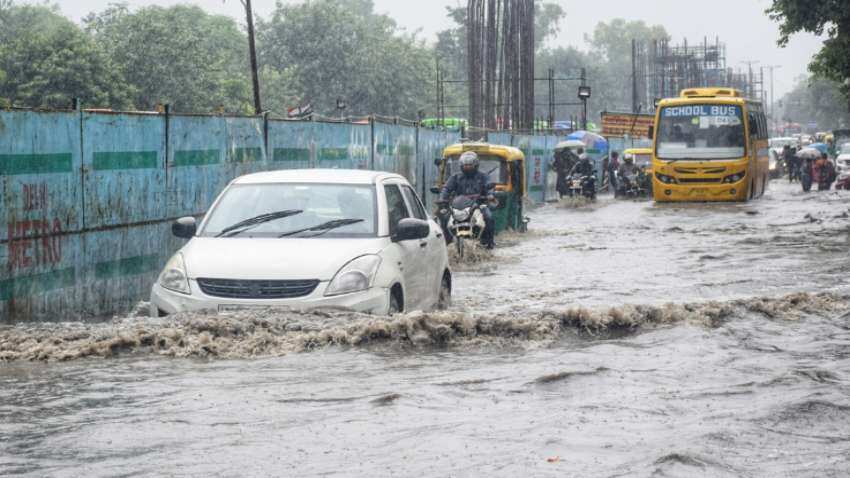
(563, 361)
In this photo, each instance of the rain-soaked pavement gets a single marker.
(563, 360)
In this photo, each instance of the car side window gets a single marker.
(396, 208)
(414, 203)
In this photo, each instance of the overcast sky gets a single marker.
(749, 35)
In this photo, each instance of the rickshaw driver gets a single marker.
(470, 182)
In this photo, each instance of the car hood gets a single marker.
(843, 157)
(273, 259)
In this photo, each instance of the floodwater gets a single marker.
(615, 339)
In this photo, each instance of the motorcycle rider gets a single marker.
(627, 173)
(584, 167)
(470, 182)
(789, 156)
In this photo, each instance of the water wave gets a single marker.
(276, 332)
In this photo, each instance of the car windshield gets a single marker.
(319, 203)
(493, 166)
(702, 132)
(845, 148)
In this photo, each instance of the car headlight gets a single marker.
(357, 275)
(174, 277)
(734, 178)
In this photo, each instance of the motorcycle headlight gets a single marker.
(461, 214)
(357, 275)
(174, 277)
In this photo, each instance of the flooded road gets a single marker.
(616, 339)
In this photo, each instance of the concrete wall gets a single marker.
(87, 198)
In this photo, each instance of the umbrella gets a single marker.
(593, 143)
(809, 153)
(569, 144)
(822, 147)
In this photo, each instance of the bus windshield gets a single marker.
(702, 132)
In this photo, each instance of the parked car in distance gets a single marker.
(842, 166)
(307, 239)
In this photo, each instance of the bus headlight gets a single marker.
(734, 178)
(665, 179)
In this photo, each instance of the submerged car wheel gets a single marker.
(444, 300)
(395, 303)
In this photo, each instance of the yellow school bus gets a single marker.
(709, 144)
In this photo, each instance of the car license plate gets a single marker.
(234, 308)
(700, 191)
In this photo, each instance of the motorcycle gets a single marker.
(582, 185)
(630, 187)
(465, 221)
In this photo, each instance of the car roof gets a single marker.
(338, 176)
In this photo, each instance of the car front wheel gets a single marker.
(444, 300)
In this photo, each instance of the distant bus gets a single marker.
(709, 144)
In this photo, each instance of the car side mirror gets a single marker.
(438, 161)
(435, 190)
(410, 228)
(651, 132)
(185, 227)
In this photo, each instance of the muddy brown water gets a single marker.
(615, 339)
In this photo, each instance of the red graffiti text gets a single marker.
(38, 243)
(35, 197)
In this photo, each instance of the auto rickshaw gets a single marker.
(643, 160)
(505, 165)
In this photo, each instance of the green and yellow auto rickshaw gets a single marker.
(505, 166)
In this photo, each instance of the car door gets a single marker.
(411, 259)
(431, 247)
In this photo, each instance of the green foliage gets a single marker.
(180, 55)
(829, 17)
(320, 50)
(46, 61)
(817, 100)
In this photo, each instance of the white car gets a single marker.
(307, 239)
(842, 161)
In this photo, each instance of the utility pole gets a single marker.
(258, 109)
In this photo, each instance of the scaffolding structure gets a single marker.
(662, 70)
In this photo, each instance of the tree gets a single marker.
(46, 61)
(322, 50)
(815, 100)
(179, 55)
(831, 17)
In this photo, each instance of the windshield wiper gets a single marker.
(241, 226)
(324, 227)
